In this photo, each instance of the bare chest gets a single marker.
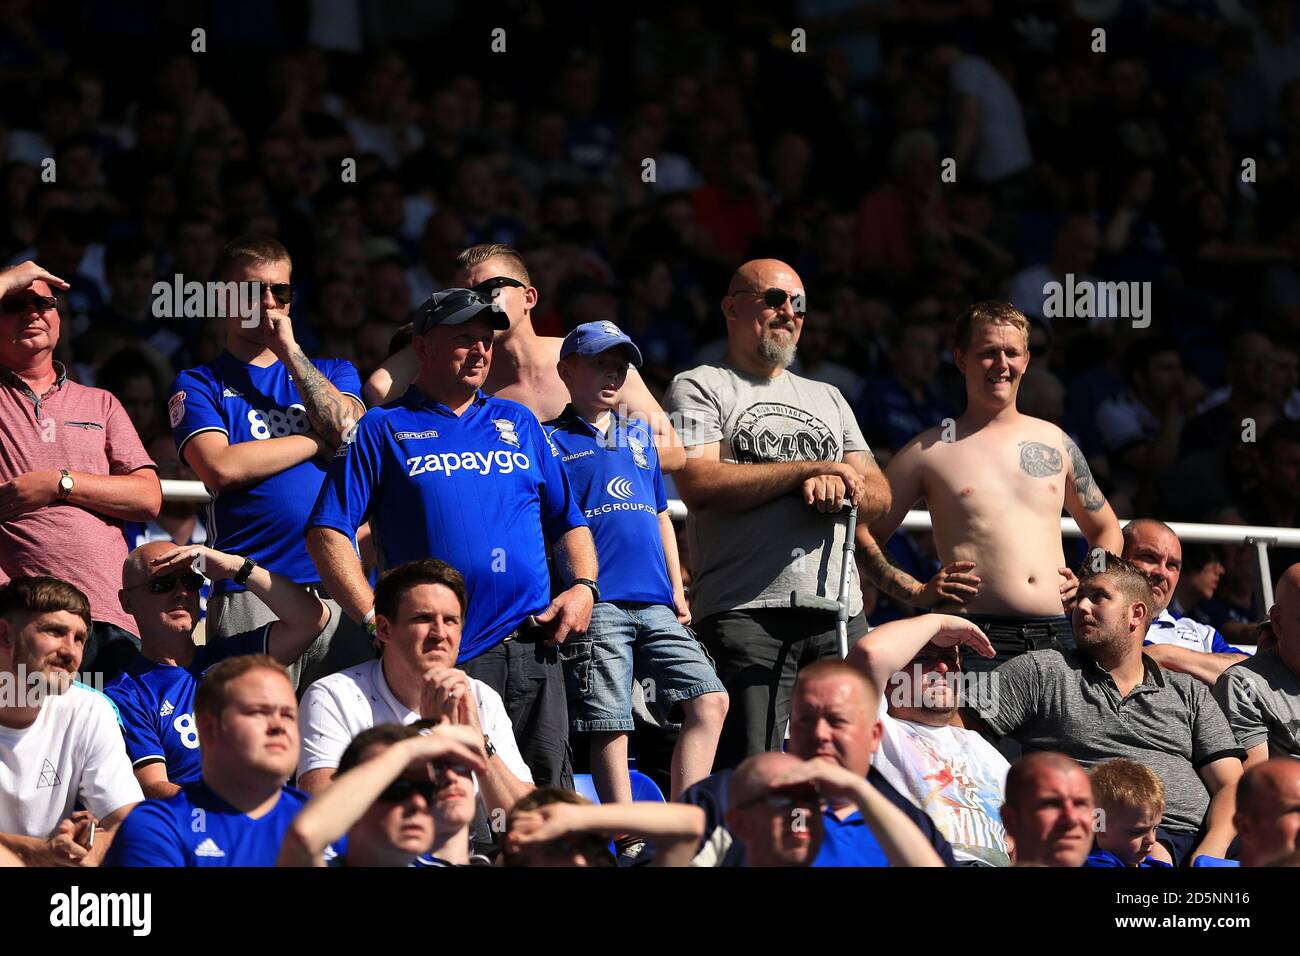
(539, 389)
(996, 476)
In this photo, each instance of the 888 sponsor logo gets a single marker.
(274, 423)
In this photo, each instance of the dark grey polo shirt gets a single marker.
(1063, 701)
(1261, 697)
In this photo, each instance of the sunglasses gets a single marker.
(488, 286)
(401, 790)
(775, 298)
(282, 292)
(166, 584)
(787, 799)
(18, 304)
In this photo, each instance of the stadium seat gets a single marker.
(1214, 861)
(643, 788)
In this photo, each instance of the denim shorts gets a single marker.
(626, 642)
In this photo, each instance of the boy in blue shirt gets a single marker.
(638, 625)
(1131, 799)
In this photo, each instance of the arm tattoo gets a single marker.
(329, 411)
(887, 576)
(1084, 485)
(1039, 460)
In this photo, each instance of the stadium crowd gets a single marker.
(460, 334)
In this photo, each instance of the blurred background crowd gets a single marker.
(1165, 150)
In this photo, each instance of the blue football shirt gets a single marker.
(156, 702)
(198, 828)
(262, 521)
(483, 491)
(616, 480)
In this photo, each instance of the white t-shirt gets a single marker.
(338, 707)
(73, 751)
(955, 776)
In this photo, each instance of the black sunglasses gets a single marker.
(775, 298)
(401, 790)
(282, 292)
(18, 304)
(786, 799)
(488, 286)
(166, 584)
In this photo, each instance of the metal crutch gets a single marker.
(840, 606)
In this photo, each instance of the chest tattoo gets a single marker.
(1039, 460)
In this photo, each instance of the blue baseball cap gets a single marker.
(456, 307)
(592, 338)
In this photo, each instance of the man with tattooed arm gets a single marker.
(259, 424)
(995, 482)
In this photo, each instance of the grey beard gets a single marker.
(774, 354)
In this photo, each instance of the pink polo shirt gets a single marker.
(80, 429)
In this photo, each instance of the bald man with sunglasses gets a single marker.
(155, 693)
(770, 457)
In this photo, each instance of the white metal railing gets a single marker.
(1258, 535)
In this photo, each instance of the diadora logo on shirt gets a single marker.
(209, 848)
(620, 488)
(502, 462)
(415, 436)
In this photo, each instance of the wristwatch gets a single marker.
(245, 569)
(65, 483)
(488, 747)
(595, 591)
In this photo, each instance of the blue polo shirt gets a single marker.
(483, 491)
(262, 521)
(156, 704)
(849, 842)
(616, 481)
(196, 827)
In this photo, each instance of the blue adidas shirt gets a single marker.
(156, 702)
(849, 842)
(483, 491)
(263, 521)
(616, 480)
(198, 828)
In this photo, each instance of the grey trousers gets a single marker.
(344, 643)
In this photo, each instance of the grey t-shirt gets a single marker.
(1063, 701)
(1261, 697)
(755, 558)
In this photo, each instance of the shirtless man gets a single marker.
(523, 369)
(995, 490)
